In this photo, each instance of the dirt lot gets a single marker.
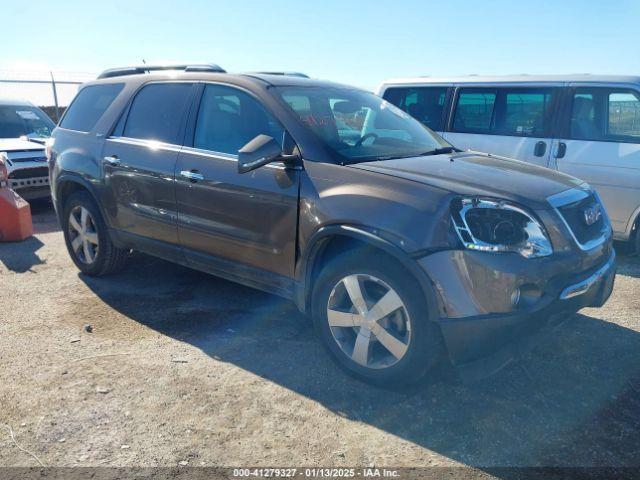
(185, 367)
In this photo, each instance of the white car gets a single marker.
(24, 129)
(587, 126)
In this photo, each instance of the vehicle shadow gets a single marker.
(629, 265)
(573, 401)
(21, 257)
(43, 216)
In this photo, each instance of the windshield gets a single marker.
(18, 120)
(358, 125)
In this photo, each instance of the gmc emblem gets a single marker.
(592, 214)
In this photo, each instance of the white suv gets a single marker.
(23, 130)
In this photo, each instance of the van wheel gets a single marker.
(374, 320)
(87, 237)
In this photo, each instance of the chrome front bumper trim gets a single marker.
(584, 286)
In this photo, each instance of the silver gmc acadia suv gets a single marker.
(403, 249)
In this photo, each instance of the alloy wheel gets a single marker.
(83, 235)
(369, 321)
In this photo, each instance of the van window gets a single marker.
(156, 112)
(526, 113)
(89, 105)
(585, 125)
(519, 112)
(425, 104)
(474, 111)
(604, 114)
(229, 118)
(624, 115)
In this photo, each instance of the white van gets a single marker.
(585, 125)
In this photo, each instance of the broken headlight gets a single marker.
(499, 226)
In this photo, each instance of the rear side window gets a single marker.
(157, 112)
(425, 104)
(520, 112)
(89, 105)
(474, 111)
(604, 114)
(229, 118)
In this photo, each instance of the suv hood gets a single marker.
(471, 173)
(17, 144)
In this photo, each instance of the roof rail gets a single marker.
(140, 69)
(288, 74)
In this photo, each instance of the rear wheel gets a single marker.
(87, 237)
(375, 321)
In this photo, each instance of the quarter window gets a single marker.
(89, 105)
(157, 112)
(229, 118)
(425, 104)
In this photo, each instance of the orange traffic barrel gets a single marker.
(15, 213)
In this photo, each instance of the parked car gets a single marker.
(585, 125)
(399, 246)
(23, 131)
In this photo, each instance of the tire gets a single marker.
(421, 344)
(101, 258)
(635, 248)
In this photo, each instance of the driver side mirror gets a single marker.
(260, 151)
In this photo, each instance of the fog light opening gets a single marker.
(529, 295)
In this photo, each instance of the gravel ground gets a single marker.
(185, 367)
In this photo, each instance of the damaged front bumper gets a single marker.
(491, 306)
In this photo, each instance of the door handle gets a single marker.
(192, 175)
(561, 150)
(112, 160)
(540, 149)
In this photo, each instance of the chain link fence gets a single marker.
(50, 90)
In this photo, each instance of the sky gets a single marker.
(356, 42)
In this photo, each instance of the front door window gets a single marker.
(229, 118)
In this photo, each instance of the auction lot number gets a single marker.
(314, 472)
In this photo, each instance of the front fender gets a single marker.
(363, 234)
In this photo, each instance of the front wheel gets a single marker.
(374, 320)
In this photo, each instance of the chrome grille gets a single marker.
(574, 207)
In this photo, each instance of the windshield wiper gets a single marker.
(436, 151)
(441, 150)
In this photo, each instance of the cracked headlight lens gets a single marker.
(499, 226)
